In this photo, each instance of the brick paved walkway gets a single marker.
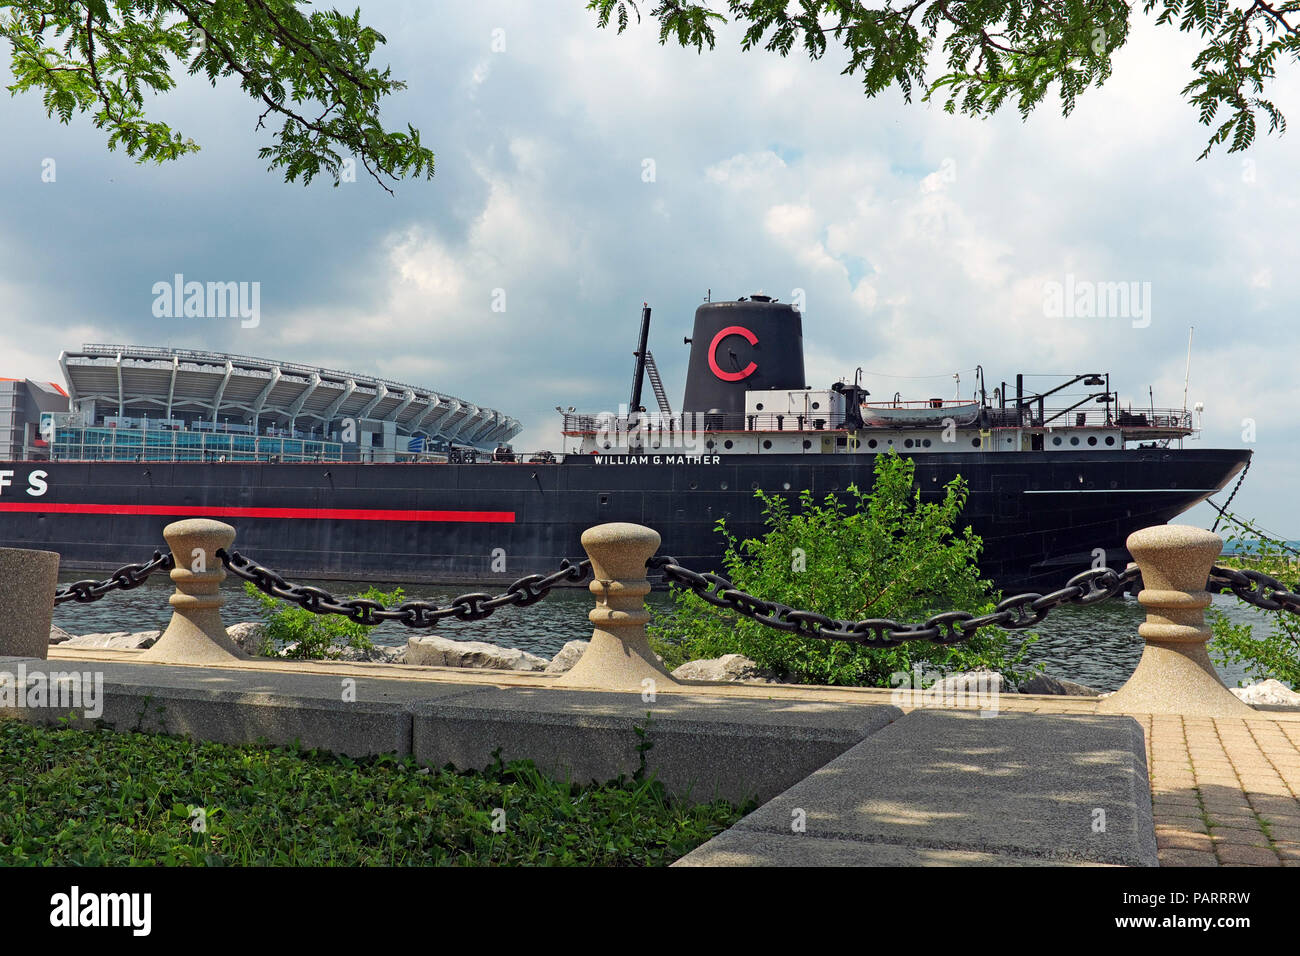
(1226, 792)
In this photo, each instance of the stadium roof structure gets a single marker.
(137, 379)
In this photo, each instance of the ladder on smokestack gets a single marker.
(657, 383)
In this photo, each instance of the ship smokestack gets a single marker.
(749, 344)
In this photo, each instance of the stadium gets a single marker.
(132, 403)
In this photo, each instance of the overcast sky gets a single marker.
(924, 243)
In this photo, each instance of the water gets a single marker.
(541, 629)
(1232, 547)
(1097, 646)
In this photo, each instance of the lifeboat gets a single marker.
(914, 414)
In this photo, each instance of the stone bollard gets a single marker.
(28, 580)
(1175, 675)
(196, 634)
(619, 656)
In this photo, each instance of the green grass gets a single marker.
(99, 798)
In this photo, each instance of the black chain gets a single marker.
(123, 579)
(1255, 587)
(951, 627)
(1223, 512)
(468, 607)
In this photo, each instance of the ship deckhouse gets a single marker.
(746, 394)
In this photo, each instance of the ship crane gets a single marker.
(1025, 401)
(646, 368)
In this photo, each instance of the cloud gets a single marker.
(746, 171)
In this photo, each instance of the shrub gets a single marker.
(1275, 654)
(311, 636)
(883, 554)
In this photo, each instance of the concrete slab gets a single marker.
(356, 717)
(703, 746)
(756, 848)
(1061, 788)
(284, 682)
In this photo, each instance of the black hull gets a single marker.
(1041, 514)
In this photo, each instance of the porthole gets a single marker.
(807, 443)
(817, 405)
(709, 443)
(907, 443)
(727, 444)
(604, 499)
(872, 443)
(974, 442)
(694, 485)
(753, 486)
(1110, 439)
(723, 486)
(1092, 439)
(1074, 439)
(785, 485)
(607, 444)
(759, 407)
(926, 442)
(1056, 439)
(767, 443)
(1114, 484)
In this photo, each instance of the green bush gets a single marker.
(1275, 654)
(885, 554)
(313, 636)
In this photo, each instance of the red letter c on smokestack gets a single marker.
(745, 372)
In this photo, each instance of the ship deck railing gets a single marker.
(1154, 422)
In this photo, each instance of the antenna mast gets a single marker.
(1191, 330)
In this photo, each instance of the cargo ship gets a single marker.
(333, 475)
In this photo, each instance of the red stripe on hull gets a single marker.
(200, 511)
